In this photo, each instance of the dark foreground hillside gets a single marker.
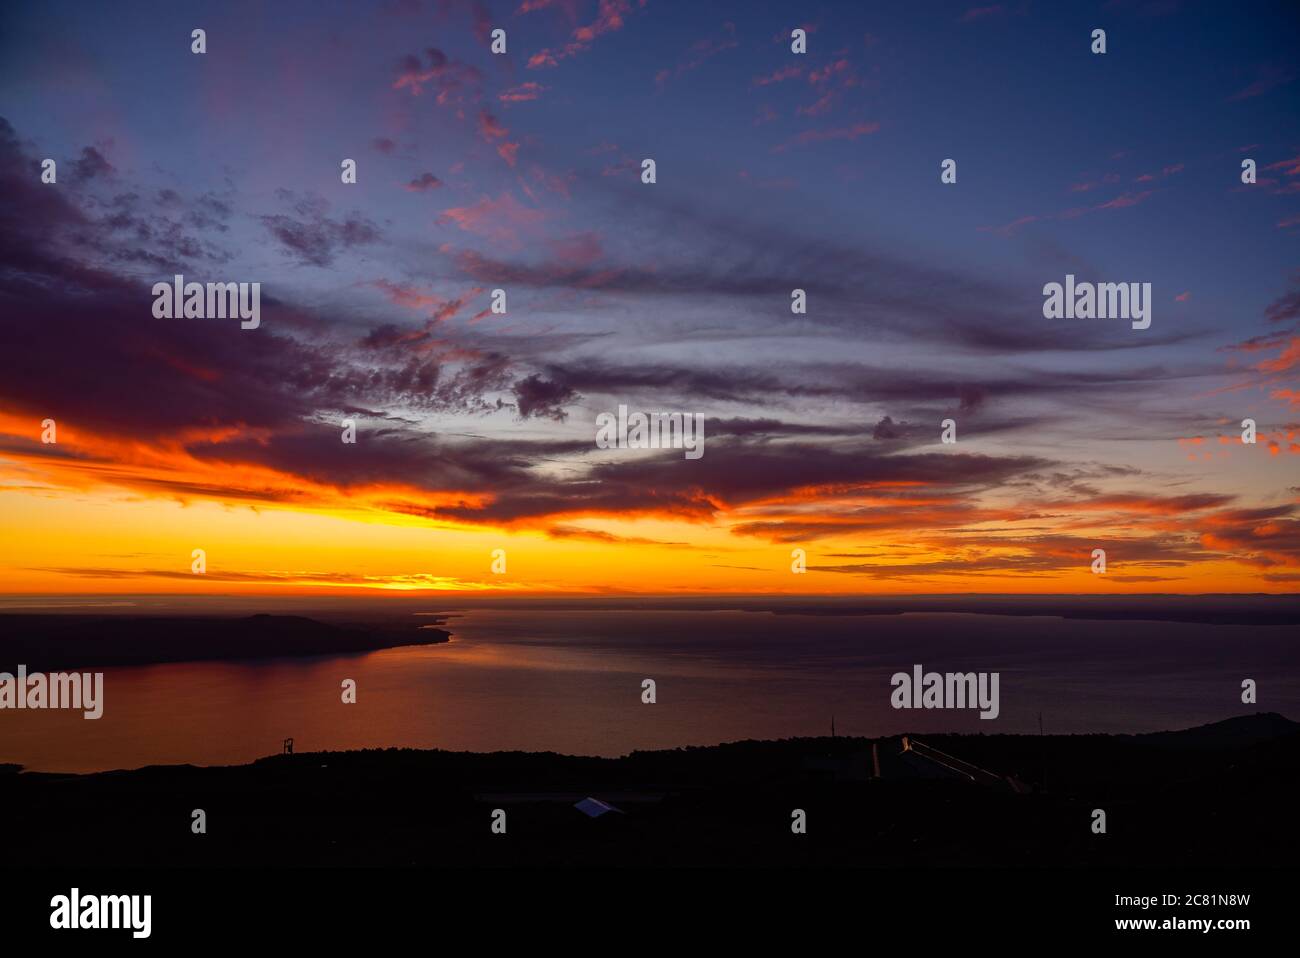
(1223, 794)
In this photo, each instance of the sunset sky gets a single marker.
(776, 171)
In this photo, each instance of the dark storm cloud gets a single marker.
(310, 236)
(541, 398)
(92, 164)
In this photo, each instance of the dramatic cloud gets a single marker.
(501, 219)
(452, 81)
(423, 183)
(475, 422)
(609, 18)
(522, 93)
(308, 235)
(91, 164)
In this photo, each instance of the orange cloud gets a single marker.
(1288, 359)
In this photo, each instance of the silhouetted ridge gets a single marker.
(1230, 733)
(1004, 800)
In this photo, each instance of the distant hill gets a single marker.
(1230, 733)
(1206, 609)
(56, 642)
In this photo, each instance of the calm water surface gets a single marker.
(570, 682)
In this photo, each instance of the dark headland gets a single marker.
(51, 642)
(1221, 794)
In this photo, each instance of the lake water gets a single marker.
(570, 681)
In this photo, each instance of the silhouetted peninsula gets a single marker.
(54, 642)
